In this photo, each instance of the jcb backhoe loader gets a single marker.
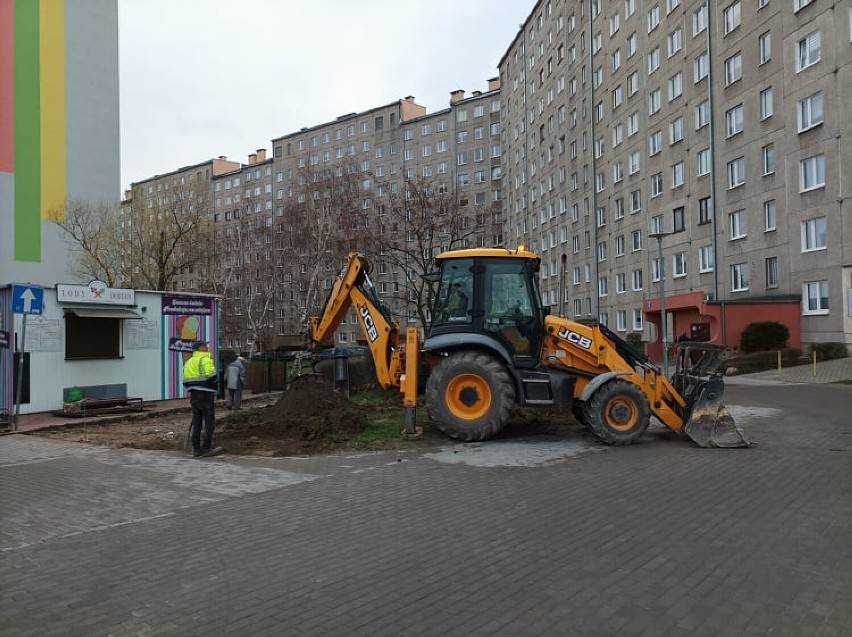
(492, 346)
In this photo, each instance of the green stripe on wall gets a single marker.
(27, 133)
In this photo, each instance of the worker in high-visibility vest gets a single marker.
(201, 381)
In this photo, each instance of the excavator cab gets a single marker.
(490, 296)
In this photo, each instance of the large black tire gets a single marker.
(470, 396)
(618, 413)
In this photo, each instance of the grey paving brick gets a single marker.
(658, 539)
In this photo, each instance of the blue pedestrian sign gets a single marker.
(27, 299)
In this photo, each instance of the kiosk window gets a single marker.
(92, 337)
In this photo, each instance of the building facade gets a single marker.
(710, 133)
(59, 140)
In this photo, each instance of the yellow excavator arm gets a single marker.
(395, 362)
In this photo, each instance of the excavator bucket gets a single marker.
(710, 424)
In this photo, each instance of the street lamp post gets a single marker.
(663, 329)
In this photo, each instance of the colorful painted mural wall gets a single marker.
(32, 115)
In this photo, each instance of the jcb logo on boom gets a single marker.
(369, 324)
(577, 339)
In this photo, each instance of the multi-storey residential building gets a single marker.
(710, 134)
(400, 166)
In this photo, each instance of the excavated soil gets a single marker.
(309, 417)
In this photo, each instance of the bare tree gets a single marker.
(167, 236)
(418, 221)
(149, 242)
(329, 218)
(93, 231)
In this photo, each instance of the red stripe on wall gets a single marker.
(7, 87)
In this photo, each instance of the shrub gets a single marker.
(634, 339)
(828, 351)
(764, 335)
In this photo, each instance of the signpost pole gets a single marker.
(20, 371)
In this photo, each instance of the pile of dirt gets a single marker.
(308, 417)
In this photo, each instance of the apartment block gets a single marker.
(683, 149)
(389, 154)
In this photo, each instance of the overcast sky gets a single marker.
(203, 78)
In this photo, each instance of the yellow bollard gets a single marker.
(814, 355)
(779, 362)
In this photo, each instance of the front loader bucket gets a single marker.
(710, 424)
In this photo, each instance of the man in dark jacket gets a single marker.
(201, 381)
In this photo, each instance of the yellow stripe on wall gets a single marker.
(52, 87)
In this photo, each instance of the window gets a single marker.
(632, 84)
(815, 297)
(653, 17)
(737, 223)
(616, 60)
(635, 201)
(671, 5)
(636, 240)
(678, 219)
(676, 131)
(798, 5)
(655, 269)
(814, 234)
(619, 245)
(679, 265)
(705, 212)
(633, 162)
(656, 184)
(92, 337)
(602, 286)
(675, 41)
(809, 112)
(771, 272)
(621, 320)
(809, 51)
(739, 277)
(677, 175)
(632, 124)
(654, 102)
(769, 215)
(637, 320)
(699, 20)
(703, 162)
(766, 106)
(617, 134)
(620, 286)
(812, 173)
(736, 172)
(653, 60)
(733, 17)
(768, 154)
(655, 142)
(705, 259)
(675, 86)
(733, 69)
(764, 47)
(702, 114)
(701, 67)
(636, 280)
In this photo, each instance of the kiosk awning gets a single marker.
(104, 312)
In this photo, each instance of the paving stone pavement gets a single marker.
(533, 536)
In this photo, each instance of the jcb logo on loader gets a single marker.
(577, 339)
(369, 324)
